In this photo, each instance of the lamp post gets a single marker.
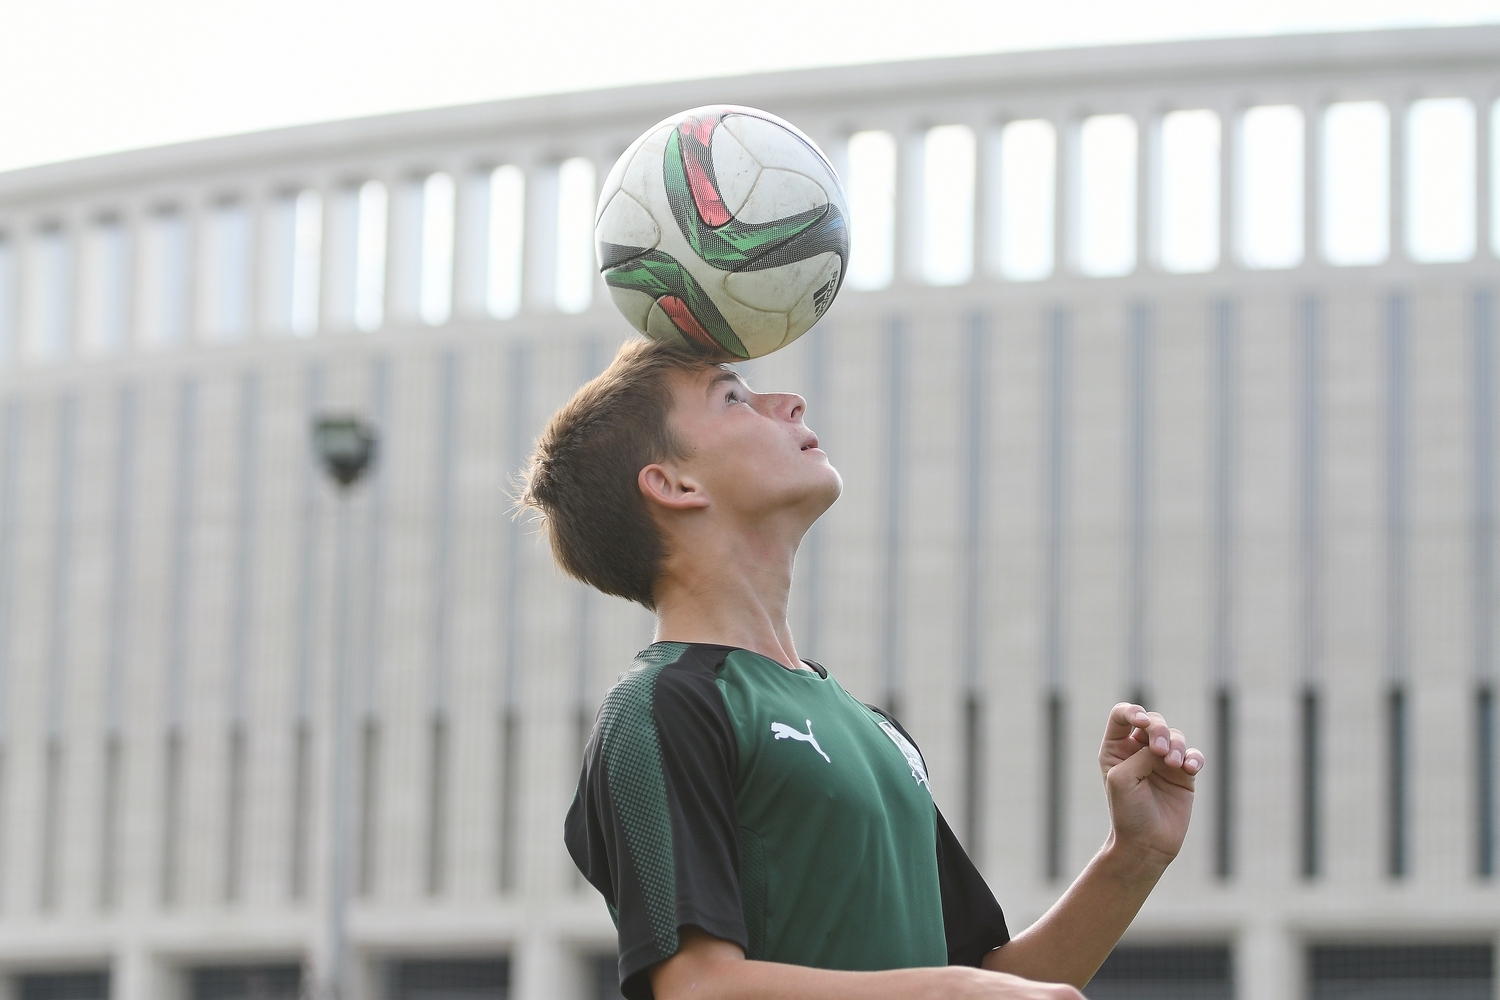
(345, 445)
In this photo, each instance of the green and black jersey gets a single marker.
(770, 808)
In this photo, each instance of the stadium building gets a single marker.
(1162, 371)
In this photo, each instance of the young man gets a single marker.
(757, 833)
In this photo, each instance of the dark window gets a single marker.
(1224, 785)
(1484, 780)
(1395, 737)
(1310, 839)
(451, 979)
(604, 978)
(64, 986)
(1055, 791)
(1164, 972)
(1411, 972)
(247, 982)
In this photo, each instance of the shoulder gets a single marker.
(667, 679)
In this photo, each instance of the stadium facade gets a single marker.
(1114, 431)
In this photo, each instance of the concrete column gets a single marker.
(1397, 108)
(539, 270)
(544, 968)
(1484, 193)
(1066, 228)
(471, 251)
(1147, 187)
(136, 974)
(1229, 182)
(1312, 191)
(1268, 964)
(403, 257)
(339, 254)
(194, 287)
(987, 180)
(48, 287)
(275, 235)
(911, 183)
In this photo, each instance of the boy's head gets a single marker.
(661, 443)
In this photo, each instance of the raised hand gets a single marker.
(1148, 773)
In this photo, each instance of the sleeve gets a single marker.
(653, 826)
(972, 919)
(973, 922)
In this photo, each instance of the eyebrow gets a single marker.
(724, 375)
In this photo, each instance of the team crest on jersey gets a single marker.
(913, 759)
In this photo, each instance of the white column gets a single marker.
(1397, 109)
(1229, 182)
(987, 181)
(539, 271)
(1484, 194)
(191, 209)
(137, 975)
(604, 162)
(275, 235)
(1312, 188)
(1268, 964)
(471, 252)
(1067, 232)
(47, 255)
(1147, 186)
(340, 252)
(403, 261)
(544, 968)
(911, 183)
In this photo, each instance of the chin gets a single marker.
(831, 489)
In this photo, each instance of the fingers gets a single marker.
(1194, 762)
(1125, 720)
(1168, 745)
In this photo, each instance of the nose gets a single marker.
(791, 406)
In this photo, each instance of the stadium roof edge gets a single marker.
(910, 81)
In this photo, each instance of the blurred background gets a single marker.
(1165, 369)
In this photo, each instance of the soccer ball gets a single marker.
(723, 229)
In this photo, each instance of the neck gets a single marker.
(730, 588)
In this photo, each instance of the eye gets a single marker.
(734, 396)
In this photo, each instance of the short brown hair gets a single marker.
(582, 480)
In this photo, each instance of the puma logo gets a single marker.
(786, 732)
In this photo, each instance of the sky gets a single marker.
(84, 77)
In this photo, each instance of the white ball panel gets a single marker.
(778, 144)
(626, 222)
(777, 289)
(642, 176)
(616, 178)
(734, 168)
(635, 305)
(780, 193)
(805, 313)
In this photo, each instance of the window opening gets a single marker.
(1356, 183)
(1026, 199)
(1188, 192)
(948, 205)
(576, 195)
(871, 190)
(1440, 180)
(1106, 195)
(1270, 183)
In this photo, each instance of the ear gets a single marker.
(665, 485)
